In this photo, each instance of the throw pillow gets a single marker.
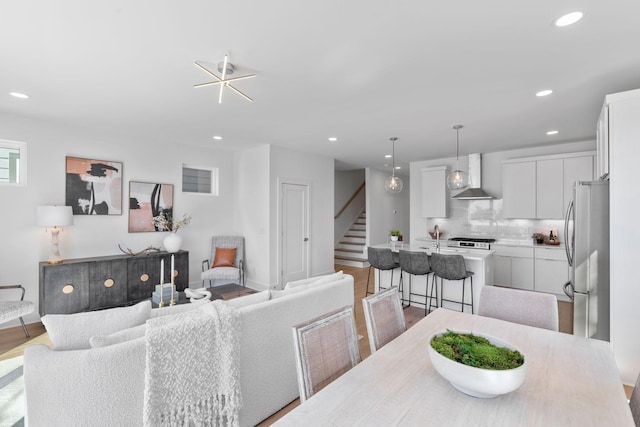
(249, 299)
(318, 280)
(73, 331)
(225, 257)
(118, 337)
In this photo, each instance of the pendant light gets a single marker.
(457, 180)
(393, 184)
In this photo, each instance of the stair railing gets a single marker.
(346, 205)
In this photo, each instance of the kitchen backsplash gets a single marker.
(483, 218)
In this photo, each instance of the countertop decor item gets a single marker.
(395, 234)
(393, 184)
(498, 367)
(538, 237)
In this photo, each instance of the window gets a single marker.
(199, 180)
(13, 162)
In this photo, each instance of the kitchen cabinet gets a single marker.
(602, 143)
(513, 267)
(435, 197)
(541, 187)
(549, 202)
(101, 282)
(519, 189)
(551, 270)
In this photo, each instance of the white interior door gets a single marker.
(294, 228)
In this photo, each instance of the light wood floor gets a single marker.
(13, 337)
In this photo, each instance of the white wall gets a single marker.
(483, 216)
(346, 184)
(386, 210)
(25, 245)
(318, 171)
(252, 215)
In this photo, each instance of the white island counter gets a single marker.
(480, 261)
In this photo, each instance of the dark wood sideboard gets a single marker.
(86, 284)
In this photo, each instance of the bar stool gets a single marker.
(380, 259)
(417, 264)
(452, 267)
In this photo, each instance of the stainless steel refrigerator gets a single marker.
(587, 245)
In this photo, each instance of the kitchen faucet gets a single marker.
(436, 230)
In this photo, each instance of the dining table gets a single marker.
(570, 381)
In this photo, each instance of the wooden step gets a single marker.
(344, 242)
(355, 251)
(355, 262)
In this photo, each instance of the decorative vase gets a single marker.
(172, 243)
(394, 238)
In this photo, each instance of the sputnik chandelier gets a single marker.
(226, 68)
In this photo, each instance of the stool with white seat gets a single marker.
(452, 267)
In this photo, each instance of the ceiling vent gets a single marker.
(474, 192)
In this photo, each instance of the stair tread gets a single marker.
(351, 243)
(356, 251)
(349, 258)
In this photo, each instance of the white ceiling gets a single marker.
(362, 71)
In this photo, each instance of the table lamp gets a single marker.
(54, 217)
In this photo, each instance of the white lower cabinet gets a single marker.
(551, 270)
(513, 267)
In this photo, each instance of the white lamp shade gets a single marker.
(54, 216)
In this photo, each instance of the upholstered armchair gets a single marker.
(226, 264)
(15, 309)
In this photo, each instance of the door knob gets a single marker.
(306, 239)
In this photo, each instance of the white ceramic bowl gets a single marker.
(477, 382)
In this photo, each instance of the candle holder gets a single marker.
(173, 280)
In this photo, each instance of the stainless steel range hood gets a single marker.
(474, 192)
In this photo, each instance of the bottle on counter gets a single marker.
(551, 238)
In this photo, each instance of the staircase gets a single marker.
(350, 249)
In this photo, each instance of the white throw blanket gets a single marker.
(192, 373)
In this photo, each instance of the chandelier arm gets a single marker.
(208, 84)
(203, 68)
(245, 96)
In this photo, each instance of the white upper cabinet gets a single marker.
(602, 136)
(519, 189)
(575, 169)
(549, 175)
(435, 197)
(541, 187)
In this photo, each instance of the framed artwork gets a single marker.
(93, 187)
(146, 200)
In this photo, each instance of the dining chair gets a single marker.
(384, 317)
(634, 402)
(325, 347)
(15, 309)
(227, 261)
(417, 264)
(452, 267)
(380, 259)
(518, 306)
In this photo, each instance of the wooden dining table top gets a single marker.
(570, 381)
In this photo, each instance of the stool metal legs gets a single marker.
(462, 302)
(367, 292)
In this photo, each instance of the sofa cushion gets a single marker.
(73, 331)
(249, 299)
(175, 309)
(118, 337)
(225, 257)
(318, 280)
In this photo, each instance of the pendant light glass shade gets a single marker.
(393, 184)
(457, 180)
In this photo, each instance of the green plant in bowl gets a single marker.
(476, 351)
(477, 364)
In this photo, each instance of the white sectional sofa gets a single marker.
(104, 385)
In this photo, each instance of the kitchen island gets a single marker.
(480, 261)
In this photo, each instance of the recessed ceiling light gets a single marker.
(552, 132)
(568, 19)
(387, 156)
(333, 139)
(544, 92)
(217, 138)
(398, 167)
(19, 95)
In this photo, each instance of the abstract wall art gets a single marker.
(93, 187)
(147, 200)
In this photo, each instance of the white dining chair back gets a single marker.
(325, 347)
(384, 317)
(518, 306)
